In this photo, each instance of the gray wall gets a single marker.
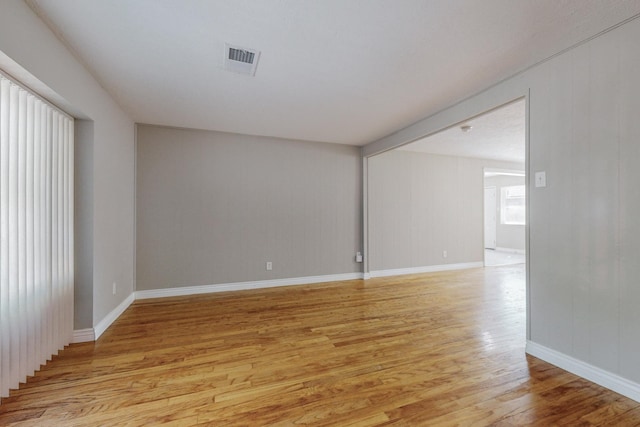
(213, 207)
(509, 236)
(423, 204)
(33, 54)
(584, 236)
(83, 224)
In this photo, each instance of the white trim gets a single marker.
(242, 286)
(83, 335)
(113, 316)
(510, 251)
(426, 269)
(592, 373)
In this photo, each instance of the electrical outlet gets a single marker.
(444, 254)
(115, 288)
(269, 266)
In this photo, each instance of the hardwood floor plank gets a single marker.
(445, 348)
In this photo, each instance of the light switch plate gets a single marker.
(541, 179)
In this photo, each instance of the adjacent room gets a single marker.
(290, 212)
(426, 209)
(504, 217)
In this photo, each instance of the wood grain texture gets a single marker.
(437, 349)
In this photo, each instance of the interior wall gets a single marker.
(584, 240)
(508, 236)
(423, 204)
(83, 224)
(33, 54)
(213, 208)
(584, 237)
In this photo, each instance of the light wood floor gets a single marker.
(433, 349)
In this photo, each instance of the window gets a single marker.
(512, 205)
(36, 232)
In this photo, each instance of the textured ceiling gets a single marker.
(343, 71)
(497, 135)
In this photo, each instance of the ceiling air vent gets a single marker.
(240, 60)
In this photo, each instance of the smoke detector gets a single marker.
(240, 60)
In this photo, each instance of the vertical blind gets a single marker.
(36, 233)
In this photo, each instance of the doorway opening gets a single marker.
(504, 217)
(425, 199)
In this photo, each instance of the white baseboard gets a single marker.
(592, 373)
(510, 251)
(112, 316)
(83, 335)
(425, 269)
(242, 286)
(92, 334)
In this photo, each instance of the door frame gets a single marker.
(484, 217)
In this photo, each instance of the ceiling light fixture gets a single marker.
(466, 128)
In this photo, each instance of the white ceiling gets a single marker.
(497, 135)
(343, 71)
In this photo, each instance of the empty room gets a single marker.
(331, 213)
